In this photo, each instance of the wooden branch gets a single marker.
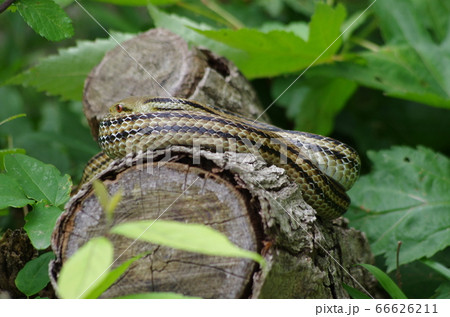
(5, 5)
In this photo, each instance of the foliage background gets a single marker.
(384, 83)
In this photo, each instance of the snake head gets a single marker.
(128, 105)
(146, 104)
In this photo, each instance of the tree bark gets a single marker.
(255, 205)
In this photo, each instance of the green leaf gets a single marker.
(418, 280)
(157, 295)
(314, 102)
(305, 7)
(300, 28)
(401, 22)
(404, 22)
(33, 277)
(436, 18)
(64, 74)
(278, 52)
(5, 152)
(46, 18)
(40, 223)
(11, 194)
(39, 181)
(354, 293)
(139, 2)
(86, 269)
(259, 53)
(109, 203)
(352, 23)
(438, 267)
(63, 3)
(109, 278)
(185, 28)
(411, 65)
(188, 237)
(397, 70)
(386, 282)
(405, 198)
(443, 291)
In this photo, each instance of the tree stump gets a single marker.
(255, 205)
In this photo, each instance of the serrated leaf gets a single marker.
(183, 236)
(64, 74)
(258, 53)
(185, 28)
(436, 18)
(40, 223)
(86, 269)
(11, 194)
(39, 181)
(401, 21)
(33, 277)
(299, 28)
(46, 18)
(410, 66)
(389, 286)
(278, 52)
(313, 103)
(404, 22)
(405, 198)
(157, 295)
(397, 70)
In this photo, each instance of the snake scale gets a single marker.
(323, 167)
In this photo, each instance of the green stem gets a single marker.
(366, 31)
(398, 274)
(203, 12)
(13, 117)
(361, 36)
(232, 20)
(366, 44)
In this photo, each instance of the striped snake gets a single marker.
(323, 167)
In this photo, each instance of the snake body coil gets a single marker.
(323, 167)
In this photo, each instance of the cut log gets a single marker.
(255, 205)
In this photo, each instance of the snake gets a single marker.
(323, 168)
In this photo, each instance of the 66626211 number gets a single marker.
(406, 308)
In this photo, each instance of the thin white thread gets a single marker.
(170, 96)
(132, 243)
(307, 68)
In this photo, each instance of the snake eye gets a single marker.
(119, 108)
